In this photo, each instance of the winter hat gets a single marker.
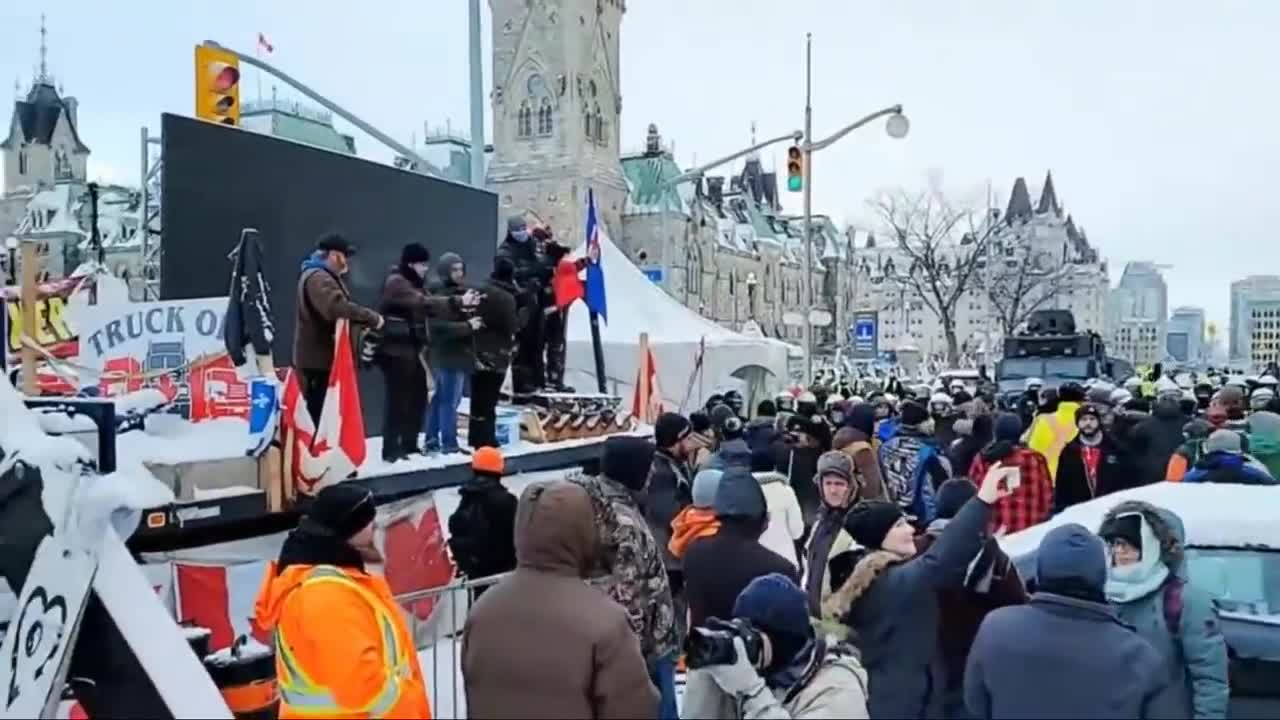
(1199, 429)
(445, 266)
(862, 417)
(335, 242)
(739, 495)
(961, 397)
(1071, 392)
(414, 253)
(670, 429)
(705, 484)
(700, 422)
(1227, 441)
(763, 459)
(870, 521)
(1127, 527)
(834, 462)
(1265, 424)
(1008, 428)
(516, 223)
(952, 495)
(487, 461)
(778, 607)
(343, 509)
(626, 460)
(766, 408)
(726, 422)
(913, 413)
(1088, 409)
(503, 269)
(1070, 554)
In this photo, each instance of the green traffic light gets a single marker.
(795, 183)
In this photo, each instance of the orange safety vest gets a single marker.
(304, 695)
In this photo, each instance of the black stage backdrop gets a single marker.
(217, 180)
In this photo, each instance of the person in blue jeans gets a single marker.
(663, 676)
(453, 357)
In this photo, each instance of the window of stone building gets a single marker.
(599, 122)
(524, 120)
(588, 123)
(22, 163)
(545, 117)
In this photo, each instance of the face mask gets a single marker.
(520, 235)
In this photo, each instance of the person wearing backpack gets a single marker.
(482, 529)
(1147, 583)
(913, 464)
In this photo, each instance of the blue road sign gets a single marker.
(862, 335)
(654, 275)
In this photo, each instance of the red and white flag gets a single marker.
(265, 45)
(220, 598)
(324, 455)
(646, 401)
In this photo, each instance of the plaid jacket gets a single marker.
(1031, 502)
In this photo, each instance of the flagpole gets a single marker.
(257, 53)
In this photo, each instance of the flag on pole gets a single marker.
(646, 399)
(265, 45)
(565, 283)
(594, 285)
(327, 454)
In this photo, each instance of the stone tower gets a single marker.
(556, 105)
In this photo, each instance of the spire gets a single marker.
(44, 52)
(1048, 197)
(1019, 202)
(754, 155)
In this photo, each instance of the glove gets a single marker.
(739, 679)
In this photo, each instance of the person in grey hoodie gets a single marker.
(1147, 583)
(1066, 653)
(453, 357)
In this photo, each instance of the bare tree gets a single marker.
(942, 243)
(1021, 280)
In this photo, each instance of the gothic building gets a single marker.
(556, 101)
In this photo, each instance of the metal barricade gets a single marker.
(436, 617)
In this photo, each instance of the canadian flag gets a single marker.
(326, 455)
(220, 598)
(646, 402)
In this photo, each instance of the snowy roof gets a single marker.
(1215, 515)
(59, 209)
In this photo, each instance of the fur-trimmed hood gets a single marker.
(867, 566)
(1164, 524)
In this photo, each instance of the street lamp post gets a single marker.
(896, 127)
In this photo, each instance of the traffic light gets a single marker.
(217, 85)
(795, 169)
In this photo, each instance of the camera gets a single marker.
(713, 644)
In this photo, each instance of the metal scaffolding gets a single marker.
(149, 214)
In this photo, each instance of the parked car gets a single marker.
(1233, 552)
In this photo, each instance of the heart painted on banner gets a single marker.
(40, 628)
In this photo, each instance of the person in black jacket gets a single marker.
(406, 305)
(453, 358)
(482, 529)
(1158, 437)
(494, 343)
(1092, 464)
(533, 277)
(717, 568)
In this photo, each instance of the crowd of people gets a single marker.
(437, 333)
(842, 556)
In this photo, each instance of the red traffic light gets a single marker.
(227, 77)
(793, 153)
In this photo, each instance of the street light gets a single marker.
(11, 244)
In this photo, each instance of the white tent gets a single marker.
(635, 305)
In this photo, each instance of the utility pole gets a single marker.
(808, 205)
(477, 99)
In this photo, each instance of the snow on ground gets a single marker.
(1215, 515)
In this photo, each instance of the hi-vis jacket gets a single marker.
(342, 648)
(1050, 433)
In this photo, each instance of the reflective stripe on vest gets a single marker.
(305, 697)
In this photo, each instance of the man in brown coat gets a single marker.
(323, 299)
(544, 644)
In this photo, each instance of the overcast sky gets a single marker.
(1158, 118)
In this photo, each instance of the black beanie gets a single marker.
(726, 422)
(415, 253)
(700, 422)
(952, 495)
(766, 408)
(670, 429)
(626, 460)
(343, 509)
(1088, 409)
(913, 413)
(870, 521)
(1127, 527)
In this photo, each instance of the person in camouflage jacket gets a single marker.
(630, 568)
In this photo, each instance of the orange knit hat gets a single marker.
(487, 460)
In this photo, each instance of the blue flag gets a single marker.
(595, 296)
